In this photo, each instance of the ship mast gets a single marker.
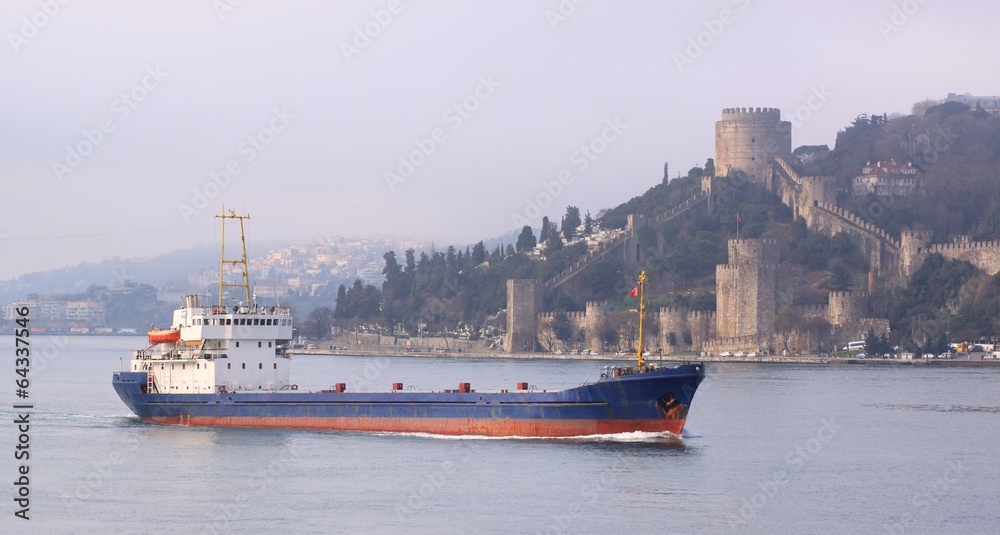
(239, 262)
(642, 313)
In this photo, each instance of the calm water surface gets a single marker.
(768, 449)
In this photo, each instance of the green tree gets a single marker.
(561, 327)
(319, 323)
(478, 254)
(570, 222)
(526, 240)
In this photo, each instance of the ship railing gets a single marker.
(251, 310)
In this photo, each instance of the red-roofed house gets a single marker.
(887, 179)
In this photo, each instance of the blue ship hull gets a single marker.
(655, 401)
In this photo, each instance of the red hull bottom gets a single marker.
(441, 426)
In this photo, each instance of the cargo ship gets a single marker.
(227, 364)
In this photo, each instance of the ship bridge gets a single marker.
(237, 322)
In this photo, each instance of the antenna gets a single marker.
(223, 262)
(642, 310)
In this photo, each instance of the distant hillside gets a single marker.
(172, 266)
(955, 148)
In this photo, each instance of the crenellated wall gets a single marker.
(983, 255)
(813, 311)
(698, 324)
(801, 193)
(847, 307)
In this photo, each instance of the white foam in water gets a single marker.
(634, 436)
(687, 433)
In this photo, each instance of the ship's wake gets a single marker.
(628, 437)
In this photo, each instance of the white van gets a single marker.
(855, 346)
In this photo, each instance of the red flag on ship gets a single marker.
(738, 218)
(634, 292)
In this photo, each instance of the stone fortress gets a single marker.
(751, 145)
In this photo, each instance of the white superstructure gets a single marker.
(219, 349)
(223, 348)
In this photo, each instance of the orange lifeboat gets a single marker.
(164, 336)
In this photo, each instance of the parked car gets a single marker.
(740, 354)
(726, 354)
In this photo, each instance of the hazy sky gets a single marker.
(116, 115)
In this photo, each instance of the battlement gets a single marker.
(914, 235)
(986, 246)
(754, 251)
(702, 315)
(787, 167)
(753, 241)
(596, 307)
(672, 310)
(859, 222)
(572, 316)
(812, 311)
(730, 113)
(849, 295)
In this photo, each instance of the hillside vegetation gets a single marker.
(956, 149)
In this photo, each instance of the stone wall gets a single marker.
(699, 325)
(846, 308)
(524, 302)
(547, 335)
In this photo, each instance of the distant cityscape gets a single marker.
(295, 272)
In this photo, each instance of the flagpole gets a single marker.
(642, 310)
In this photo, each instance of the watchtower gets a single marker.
(747, 139)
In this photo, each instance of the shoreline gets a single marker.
(653, 359)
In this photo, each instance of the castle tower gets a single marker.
(594, 321)
(912, 250)
(749, 289)
(524, 302)
(847, 308)
(747, 139)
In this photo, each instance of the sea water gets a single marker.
(767, 449)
